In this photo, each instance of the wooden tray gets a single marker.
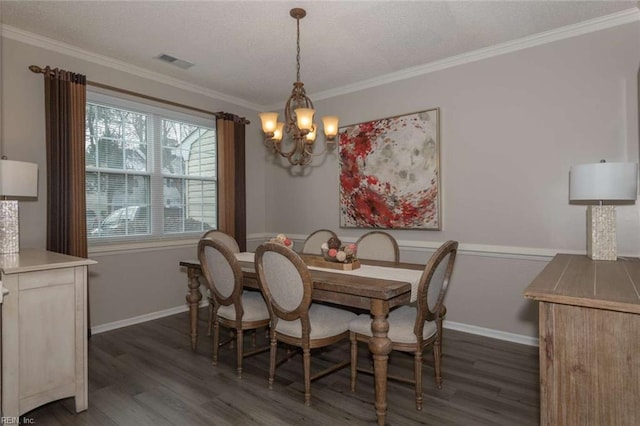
(320, 262)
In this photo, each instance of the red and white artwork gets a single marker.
(389, 173)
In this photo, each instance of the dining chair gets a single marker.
(412, 329)
(313, 243)
(286, 284)
(232, 245)
(233, 307)
(378, 245)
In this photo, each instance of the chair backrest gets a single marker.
(224, 238)
(378, 245)
(313, 243)
(285, 283)
(222, 273)
(434, 283)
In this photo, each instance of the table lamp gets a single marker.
(596, 183)
(17, 179)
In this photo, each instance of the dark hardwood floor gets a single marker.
(146, 374)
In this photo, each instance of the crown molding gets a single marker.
(585, 27)
(581, 28)
(76, 52)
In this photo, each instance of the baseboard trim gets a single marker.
(494, 334)
(471, 329)
(97, 329)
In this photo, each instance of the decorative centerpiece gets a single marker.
(334, 251)
(282, 240)
(335, 255)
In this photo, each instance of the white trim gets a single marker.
(141, 246)
(466, 328)
(585, 27)
(495, 334)
(591, 25)
(485, 250)
(142, 318)
(76, 52)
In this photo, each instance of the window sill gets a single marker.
(121, 247)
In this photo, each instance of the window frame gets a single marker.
(156, 112)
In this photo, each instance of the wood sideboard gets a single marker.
(589, 341)
(44, 330)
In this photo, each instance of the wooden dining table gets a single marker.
(375, 295)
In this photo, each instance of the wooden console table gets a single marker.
(589, 341)
(44, 330)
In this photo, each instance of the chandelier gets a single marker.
(298, 119)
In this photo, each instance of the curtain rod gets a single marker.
(220, 114)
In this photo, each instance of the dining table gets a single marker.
(376, 286)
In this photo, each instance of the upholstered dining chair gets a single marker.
(232, 244)
(412, 329)
(313, 243)
(233, 307)
(286, 285)
(378, 245)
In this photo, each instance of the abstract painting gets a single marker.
(390, 172)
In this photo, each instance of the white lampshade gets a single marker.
(18, 179)
(603, 181)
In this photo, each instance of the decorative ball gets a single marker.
(334, 243)
(341, 256)
(324, 246)
(332, 252)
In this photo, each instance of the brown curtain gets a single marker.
(232, 214)
(65, 104)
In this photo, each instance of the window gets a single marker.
(150, 172)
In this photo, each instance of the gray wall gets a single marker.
(512, 126)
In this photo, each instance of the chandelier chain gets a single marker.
(298, 50)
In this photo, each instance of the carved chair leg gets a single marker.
(272, 358)
(210, 323)
(306, 359)
(437, 361)
(417, 366)
(239, 351)
(231, 339)
(216, 341)
(354, 360)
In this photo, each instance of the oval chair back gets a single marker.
(434, 284)
(224, 238)
(222, 273)
(378, 245)
(285, 283)
(313, 243)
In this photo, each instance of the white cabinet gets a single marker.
(44, 330)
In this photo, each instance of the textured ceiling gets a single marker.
(246, 49)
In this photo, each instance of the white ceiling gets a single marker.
(246, 49)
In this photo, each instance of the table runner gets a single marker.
(388, 273)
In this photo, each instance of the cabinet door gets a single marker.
(589, 366)
(47, 330)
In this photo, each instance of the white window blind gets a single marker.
(150, 172)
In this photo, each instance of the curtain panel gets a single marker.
(232, 215)
(65, 105)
